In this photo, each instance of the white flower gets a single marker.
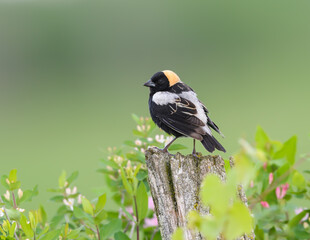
(150, 139)
(7, 195)
(69, 203)
(71, 192)
(74, 190)
(118, 160)
(7, 181)
(20, 193)
(1, 212)
(142, 150)
(138, 142)
(79, 199)
(160, 138)
(139, 128)
(20, 209)
(128, 165)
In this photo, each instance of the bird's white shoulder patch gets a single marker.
(192, 96)
(163, 98)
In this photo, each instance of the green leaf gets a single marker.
(227, 165)
(141, 175)
(74, 233)
(57, 198)
(42, 215)
(29, 194)
(298, 180)
(88, 208)
(13, 176)
(80, 214)
(142, 201)
(136, 157)
(73, 177)
(32, 221)
(136, 119)
(62, 179)
(177, 146)
(52, 235)
(15, 185)
(4, 182)
(126, 184)
(109, 229)
(45, 230)
(213, 194)
(211, 227)
(259, 233)
(127, 214)
(296, 220)
(261, 138)
(130, 143)
(110, 163)
(239, 221)
(100, 217)
(137, 169)
(121, 236)
(288, 150)
(137, 133)
(101, 203)
(178, 234)
(13, 213)
(12, 229)
(26, 227)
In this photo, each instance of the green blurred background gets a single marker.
(71, 73)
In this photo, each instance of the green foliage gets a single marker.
(275, 188)
(229, 216)
(178, 234)
(267, 171)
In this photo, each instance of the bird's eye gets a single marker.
(161, 81)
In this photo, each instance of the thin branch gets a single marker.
(14, 200)
(137, 216)
(98, 233)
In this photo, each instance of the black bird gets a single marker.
(175, 108)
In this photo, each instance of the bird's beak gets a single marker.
(149, 83)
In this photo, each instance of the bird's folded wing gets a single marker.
(180, 116)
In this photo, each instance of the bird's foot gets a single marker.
(195, 154)
(165, 150)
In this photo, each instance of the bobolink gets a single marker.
(175, 108)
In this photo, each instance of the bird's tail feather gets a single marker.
(210, 143)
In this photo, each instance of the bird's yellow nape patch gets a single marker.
(173, 78)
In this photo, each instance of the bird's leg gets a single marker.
(194, 149)
(168, 145)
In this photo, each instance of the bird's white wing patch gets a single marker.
(201, 115)
(163, 98)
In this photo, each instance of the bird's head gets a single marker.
(162, 81)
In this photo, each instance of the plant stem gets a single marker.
(83, 223)
(137, 216)
(14, 200)
(98, 233)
